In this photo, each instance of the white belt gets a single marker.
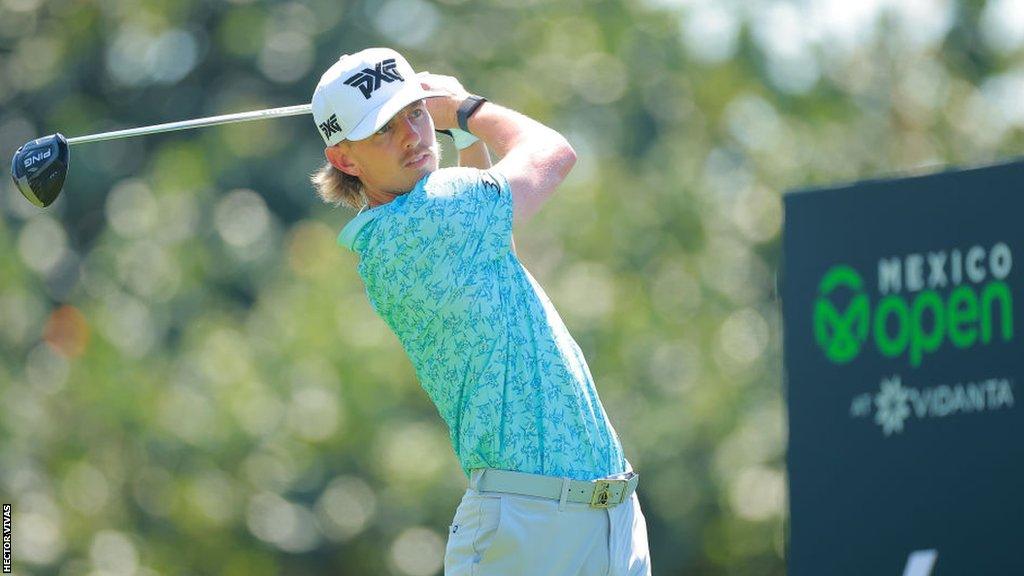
(601, 493)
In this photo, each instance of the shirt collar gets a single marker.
(348, 234)
(347, 237)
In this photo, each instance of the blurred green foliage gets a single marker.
(191, 378)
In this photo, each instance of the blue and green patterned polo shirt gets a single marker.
(487, 345)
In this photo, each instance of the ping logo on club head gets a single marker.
(368, 79)
(37, 157)
(841, 334)
(330, 126)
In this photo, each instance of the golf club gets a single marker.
(39, 167)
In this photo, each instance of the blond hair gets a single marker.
(336, 187)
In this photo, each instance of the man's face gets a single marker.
(398, 155)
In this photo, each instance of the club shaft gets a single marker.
(196, 123)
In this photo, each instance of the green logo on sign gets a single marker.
(912, 325)
(841, 334)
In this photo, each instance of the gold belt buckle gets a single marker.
(602, 497)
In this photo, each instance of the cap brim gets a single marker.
(377, 118)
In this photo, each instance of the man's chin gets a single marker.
(421, 169)
(416, 176)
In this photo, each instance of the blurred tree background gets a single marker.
(192, 380)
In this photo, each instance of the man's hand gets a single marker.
(443, 109)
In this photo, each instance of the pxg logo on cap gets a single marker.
(369, 79)
(330, 126)
(361, 92)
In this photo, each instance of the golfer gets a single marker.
(550, 492)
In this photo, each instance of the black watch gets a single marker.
(467, 108)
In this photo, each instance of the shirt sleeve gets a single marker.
(465, 212)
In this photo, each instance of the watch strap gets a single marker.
(470, 105)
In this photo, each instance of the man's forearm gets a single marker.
(475, 156)
(503, 129)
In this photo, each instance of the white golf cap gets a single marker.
(361, 92)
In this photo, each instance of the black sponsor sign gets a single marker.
(903, 303)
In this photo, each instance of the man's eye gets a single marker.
(384, 128)
(417, 112)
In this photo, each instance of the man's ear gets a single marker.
(341, 158)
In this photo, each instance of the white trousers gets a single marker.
(508, 534)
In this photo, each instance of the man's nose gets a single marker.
(410, 133)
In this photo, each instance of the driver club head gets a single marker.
(39, 168)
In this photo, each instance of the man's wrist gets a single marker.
(444, 111)
(467, 108)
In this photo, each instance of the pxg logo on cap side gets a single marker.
(368, 80)
(330, 126)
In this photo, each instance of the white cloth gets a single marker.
(496, 534)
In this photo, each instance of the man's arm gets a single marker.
(475, 156)
(534, 158)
